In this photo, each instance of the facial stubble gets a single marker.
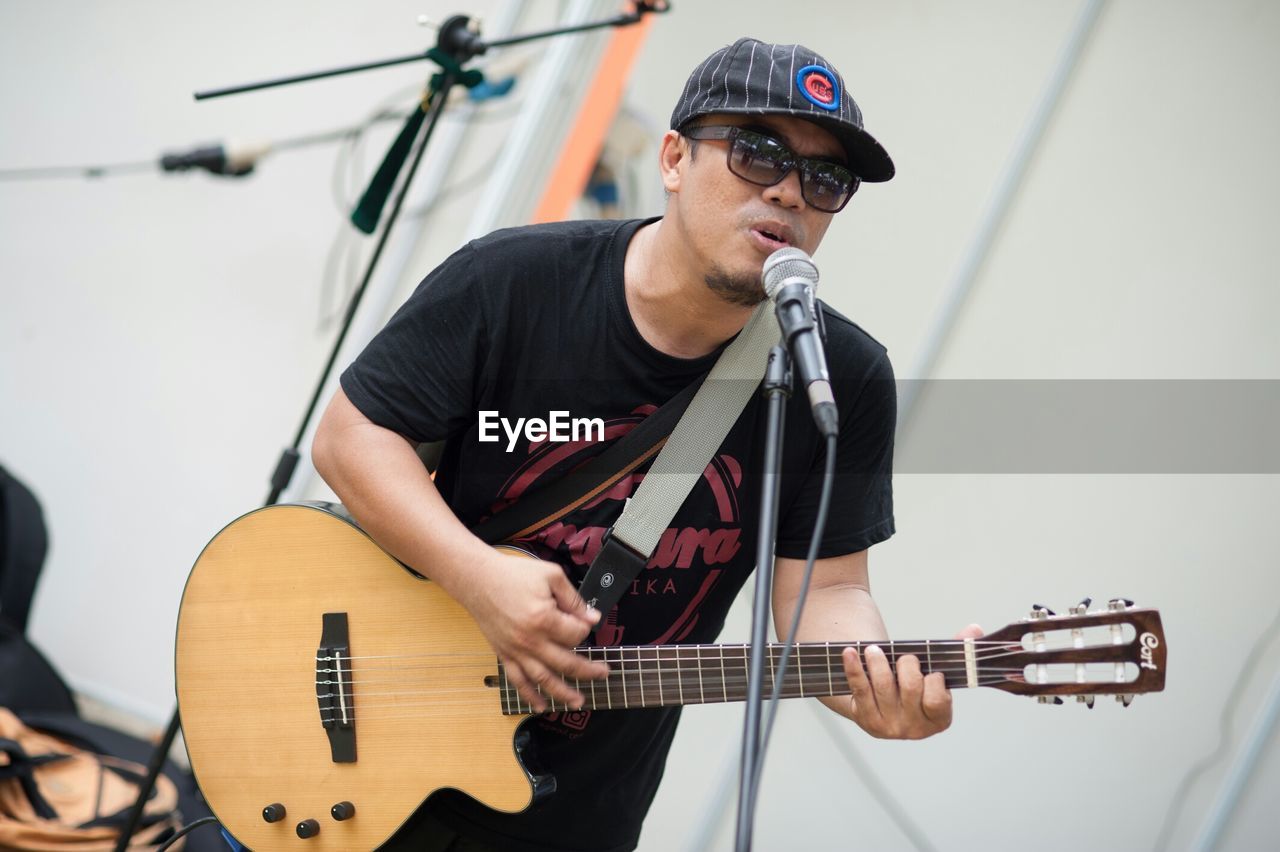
(741, 290)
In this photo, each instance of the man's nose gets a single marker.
(786, 192)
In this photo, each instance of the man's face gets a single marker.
(732, 225)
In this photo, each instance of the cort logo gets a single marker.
(1149, 643)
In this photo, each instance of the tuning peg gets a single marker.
(1086, 603)
(1081, 608)
(1040, 611)
(1086, 700)
(1119, 604)
(1049, 699)
(1125, 699)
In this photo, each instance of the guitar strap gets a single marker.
(684, 434)
(717, 405)
(544, 506)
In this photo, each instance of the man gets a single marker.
(608, 320)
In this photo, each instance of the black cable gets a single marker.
(185, 830)
(155, 165)
(1252, 660)
(815, 541)
(346, 243)
(91, 172)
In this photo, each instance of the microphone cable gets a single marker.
(815, 541)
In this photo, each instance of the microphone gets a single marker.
(790, 279)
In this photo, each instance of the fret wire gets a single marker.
(640, 673)
(608, 684)
(701, 688)
(622, 659)
(830, 684)
(657, 658)
(679, 677)
(724, 679)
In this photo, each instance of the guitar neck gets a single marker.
(669, 675)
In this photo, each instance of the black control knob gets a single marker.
(342, 810)
(273, 813)
(308, 828)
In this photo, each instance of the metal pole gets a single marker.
(1241, 770)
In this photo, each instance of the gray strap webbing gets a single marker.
(716, 406)
(714, 409)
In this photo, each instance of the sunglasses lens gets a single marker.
(758, 159)
(828, 186)
(764, 161)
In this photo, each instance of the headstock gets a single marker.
(1117, 651)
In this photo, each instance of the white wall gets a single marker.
(158, 342)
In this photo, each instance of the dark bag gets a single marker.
(23, 544)
(55, 795)
(28, 683)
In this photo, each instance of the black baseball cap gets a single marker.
(750, 77)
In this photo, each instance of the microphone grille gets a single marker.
(789, 262)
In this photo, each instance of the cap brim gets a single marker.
(867, 158)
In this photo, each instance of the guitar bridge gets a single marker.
(334, 692)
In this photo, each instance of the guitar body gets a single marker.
(249, 628)
(314, 670)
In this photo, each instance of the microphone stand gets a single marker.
(457, 43)
(777, 389)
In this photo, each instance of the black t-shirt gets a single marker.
(532, 321)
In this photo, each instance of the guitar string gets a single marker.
(673, 667)
(719, 686)
(827, 658)
(655, 676)
(718, 691)
(652, 665)
(624, 657)
(814, 683)
(560, 706)
(510, 704)
(808, 667)
(955, 647)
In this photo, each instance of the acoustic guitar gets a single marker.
(326, 690)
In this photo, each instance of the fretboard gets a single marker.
(666, 675)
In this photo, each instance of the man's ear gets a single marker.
(673, 158)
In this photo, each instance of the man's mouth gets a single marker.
(774, 236)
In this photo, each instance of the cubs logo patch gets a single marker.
(819, 87)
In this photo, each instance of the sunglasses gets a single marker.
(765, 161)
